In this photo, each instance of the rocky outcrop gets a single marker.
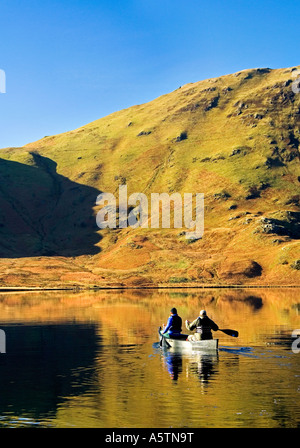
(288, 223)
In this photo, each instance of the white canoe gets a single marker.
(209, 345)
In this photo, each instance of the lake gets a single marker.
(92, 360)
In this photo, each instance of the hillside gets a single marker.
(234, 138)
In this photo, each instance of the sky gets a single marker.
(70, 62)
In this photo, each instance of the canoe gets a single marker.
(181, 342)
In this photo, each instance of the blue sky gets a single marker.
(70, 62)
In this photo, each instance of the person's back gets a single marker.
(203, 325)
(174, 323)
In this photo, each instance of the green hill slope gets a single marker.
(233, 138)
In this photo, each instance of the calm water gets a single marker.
(93, 360)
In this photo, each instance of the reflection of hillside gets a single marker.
(129, 323)
(131, 316)
(44, 365)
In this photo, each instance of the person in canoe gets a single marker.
(174, 324)
(203, 325)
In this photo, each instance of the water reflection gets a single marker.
(43, 366)
(172, 363)
(88, 359)
(280, 338)
(255, 302)
(201, 365)
(204, 366)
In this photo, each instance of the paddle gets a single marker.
(161, 337)
(232, 333)
(163, 341)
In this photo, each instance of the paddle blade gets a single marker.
(160, 337)
(232, 333)
(162, 340)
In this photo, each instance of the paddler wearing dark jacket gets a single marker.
(174, 324)
(203, 325)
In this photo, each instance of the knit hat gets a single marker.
(173, 311)
(202, 313)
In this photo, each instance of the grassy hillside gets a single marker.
(233, 138)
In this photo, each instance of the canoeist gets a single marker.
(174, 324)
(203, 325)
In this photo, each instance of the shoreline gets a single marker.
(5, 289)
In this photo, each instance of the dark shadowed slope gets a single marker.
(44, 213)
